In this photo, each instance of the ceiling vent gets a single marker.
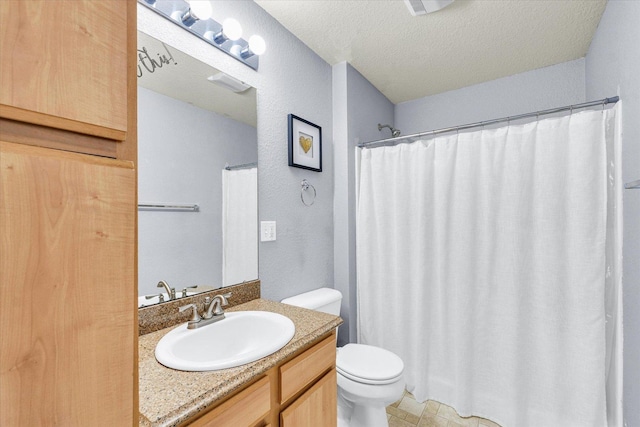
(420, 7)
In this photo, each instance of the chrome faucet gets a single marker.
(170, 291)
(215, 308)
(213, 311)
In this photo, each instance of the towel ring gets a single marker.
(305, 186)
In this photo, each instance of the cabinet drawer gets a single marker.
(300, 372)
(244, 409)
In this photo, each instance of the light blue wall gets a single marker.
(182, 151)
(291, 79)
(613, 67)
(540, 89)
(358, 107)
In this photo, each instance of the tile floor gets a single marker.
(407, 412)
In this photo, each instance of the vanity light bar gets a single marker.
(225, 36)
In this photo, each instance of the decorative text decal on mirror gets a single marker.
(146, 62)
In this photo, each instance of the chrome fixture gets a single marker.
(635, 185)
(195, 318)
(231, 30)
(184, 291)
(167, 207)
(256, 46)
(242, 166)
(417, 136)
(215, 308)
(197, 10)
(170, 291)
(195, 16)
(213, 311)
(304, 186)
(394, 132)
(159, 296)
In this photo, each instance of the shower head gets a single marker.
(394, 132)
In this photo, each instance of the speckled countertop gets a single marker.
(169, 397)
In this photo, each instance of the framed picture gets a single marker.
(305, 144)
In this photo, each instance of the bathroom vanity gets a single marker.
(294, 386)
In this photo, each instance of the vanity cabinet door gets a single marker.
(63, 64)
(67, 281)
(246, 408)
(316, 407)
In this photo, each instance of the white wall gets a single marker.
(358, 107)
(613, 67)
(291, 79)
(535, 90)
(182, 151)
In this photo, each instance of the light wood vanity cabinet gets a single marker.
(316, 407)
(68, 312)
(247, 408)
(297, 374)
(301, 392)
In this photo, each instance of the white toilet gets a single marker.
(369, 378)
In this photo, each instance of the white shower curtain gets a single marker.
(481, 262)
(239, 225)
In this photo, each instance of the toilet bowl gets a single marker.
(369, 378)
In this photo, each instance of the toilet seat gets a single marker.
(367, 364)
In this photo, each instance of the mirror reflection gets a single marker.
(197, 177)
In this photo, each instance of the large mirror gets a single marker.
(197, 177)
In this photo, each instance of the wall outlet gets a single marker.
(267, 231)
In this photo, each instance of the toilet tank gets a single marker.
(326, 300)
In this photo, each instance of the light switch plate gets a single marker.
(267, 231)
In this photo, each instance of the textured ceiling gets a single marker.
(468, 42)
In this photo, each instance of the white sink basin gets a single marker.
(241, 337)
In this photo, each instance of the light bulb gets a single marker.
(201, 9)
(257, 44)
(232, 29)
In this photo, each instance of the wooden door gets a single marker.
(67, 275)
(63, 64)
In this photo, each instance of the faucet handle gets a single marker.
(159, 296)
(184, 291)
(195, 318)
(223, 298)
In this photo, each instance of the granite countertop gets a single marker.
(169, 397)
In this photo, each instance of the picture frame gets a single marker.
(305, 144)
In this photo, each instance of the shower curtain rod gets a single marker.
(400, 139)
(244, 166)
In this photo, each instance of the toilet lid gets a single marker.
(368, 364)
